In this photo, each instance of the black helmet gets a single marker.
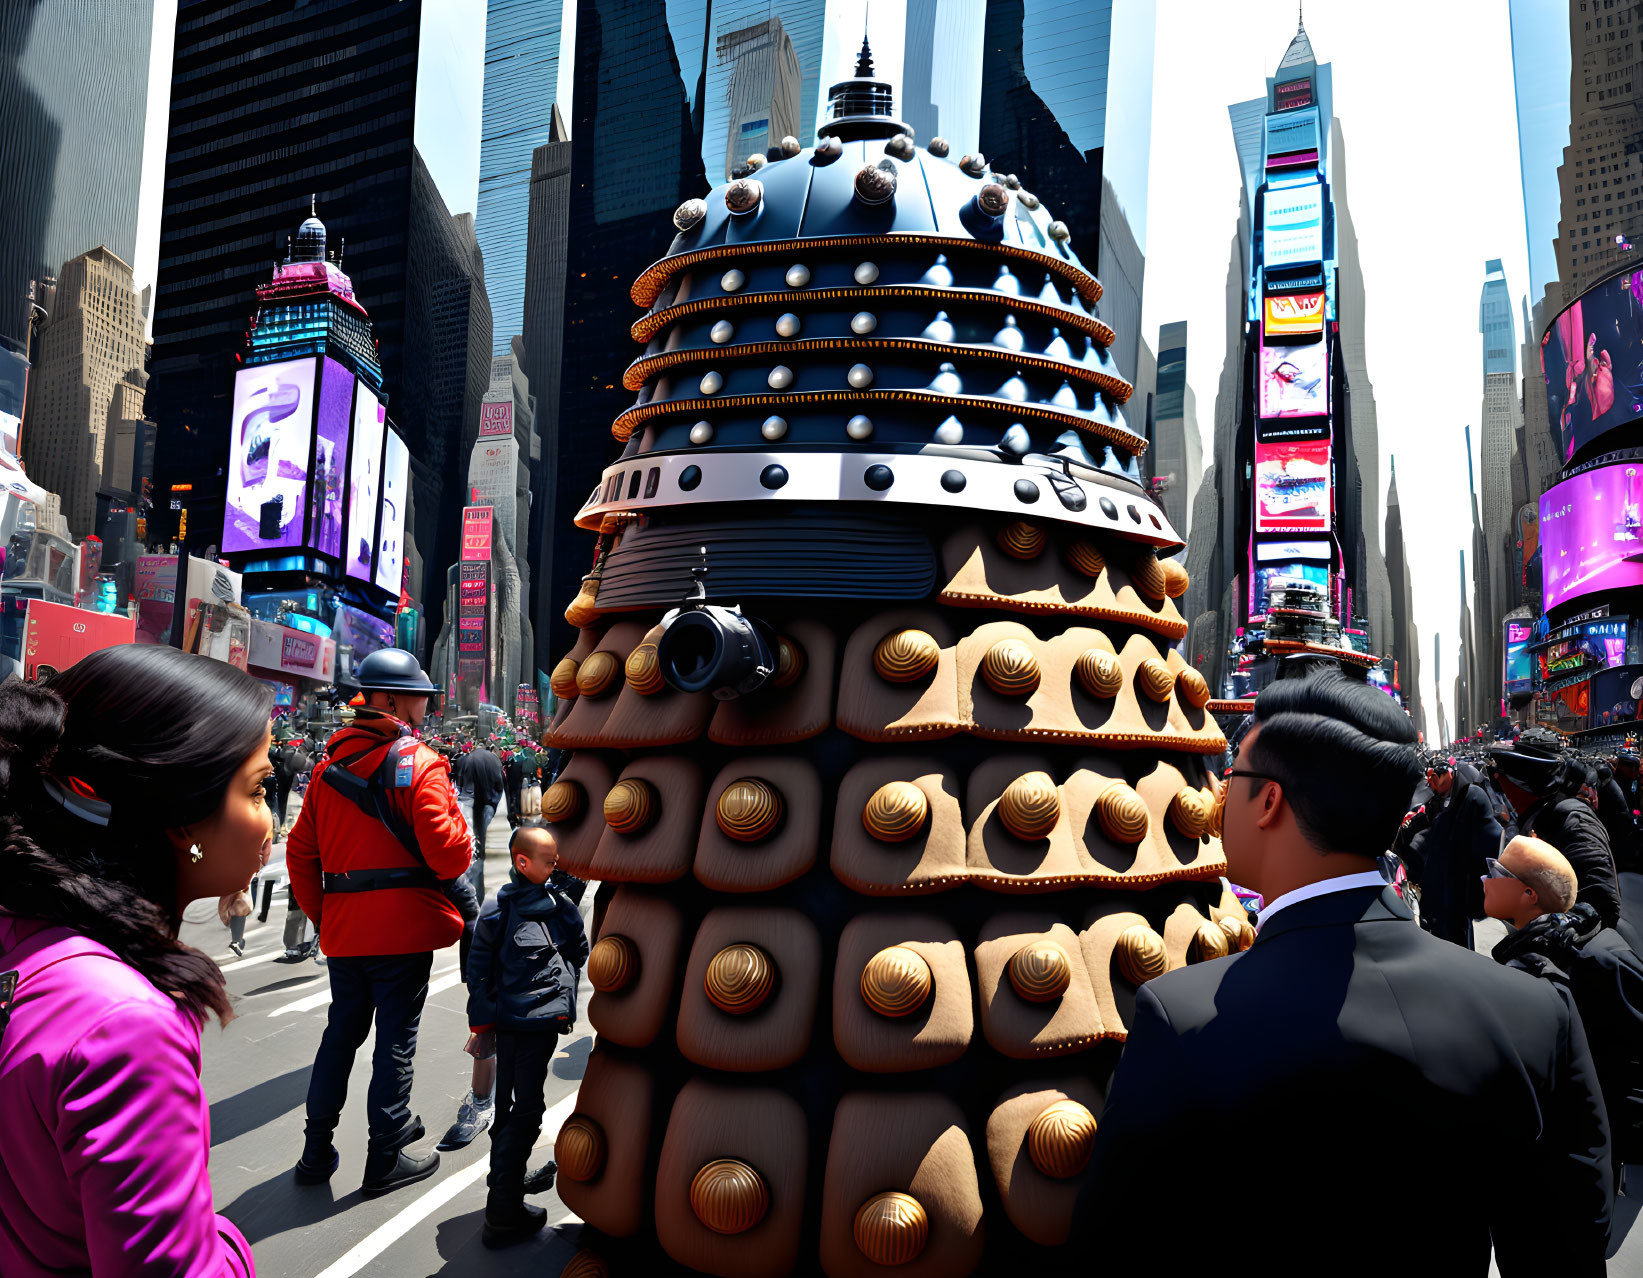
(392, 670)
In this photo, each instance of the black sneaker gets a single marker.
(318, 1162)
(382, 1176)
(513, 1223)
(237, 948)
(541, 1180)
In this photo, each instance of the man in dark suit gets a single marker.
(1398, 1101)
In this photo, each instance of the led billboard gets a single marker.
(1261, 583)
(1591, 534)
(336, 404)
(1615, 695)
(1518, 675)
(1293, 317)
(396, 490)
(365, 482)
(1292, 225)
(1592, 361)
(1295, 380)
(1292, 486)
(272, 430)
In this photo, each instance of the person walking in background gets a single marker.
(1341, 1011)
(377, 860)
(516, 762)
(1617, 818)
(104, 1158)
(1444, 846)
(484, 775)
(527, 957)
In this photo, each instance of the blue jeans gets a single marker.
(391, 989)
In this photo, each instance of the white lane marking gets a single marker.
(308, 1004)
(385, 1235)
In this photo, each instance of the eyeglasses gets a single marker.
(1497, 870)
(1259, 776)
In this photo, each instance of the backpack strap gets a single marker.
(370, 794)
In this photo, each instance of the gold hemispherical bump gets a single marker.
(1155, 679)
(904, 656)
(739, 979)
(1021, 540)
(789, 663)
(1148, 575)
(563, 682)
(1141, 954)
(1040, 971)
(1193, 687)
(1189, 812)
(1209, 942)
(613, 964)
(586, 1263)
(630, 806)
(644, 671)
(1122, 814)
(728, 1196)
(1030, 806)
(896, 981)
(1099, 673)
(597, 674)
(1010, 668)
(1176, 579)
(1217, 811)
(891, 1228)
(1085, 558)
(580, 1148)
(1240, 933)
(564, 801)
(749, 809)
(585, 607)
(1061, 1138)
(896, 812)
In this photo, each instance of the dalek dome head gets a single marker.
(875, 321)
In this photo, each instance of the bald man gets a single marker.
(1557, 937)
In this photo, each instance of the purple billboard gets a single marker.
(1591, 533)
(268, 456)
(1592, 360)
(365, 483)
(396, 487)
(336, 405)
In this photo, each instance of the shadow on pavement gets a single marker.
(1626, 1208)
(286, 984)
(571, 1062)
(263, 1103)
(280, 1204)
(464, 1253)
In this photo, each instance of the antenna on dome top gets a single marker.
(312, 211)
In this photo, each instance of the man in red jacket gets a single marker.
(377, 859)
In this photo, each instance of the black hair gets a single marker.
(158, 735)
(1345, 755)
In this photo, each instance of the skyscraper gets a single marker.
(91, 346)
(1405, 634)
(942, 54)
(1502, 424)
(1177, 450)
(523, 71)
(740, 29)
(1540, 82)
(73, 102)
(761, 90)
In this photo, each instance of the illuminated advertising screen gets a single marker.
(1295, 380)
(1592, 360)
(396, 488)
(336, 406)
(1261, 582)
(1518, 674)
(1293, 94)
(1591, 534)
(1292, 486)
(361, 631)
(1271, 552)
(1292, 317)
(1615, 695)
(1591, 645)
(365, 482)
(1292, 225)
(272, 429)
(495, 419)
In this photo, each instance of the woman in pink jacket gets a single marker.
(130, 785)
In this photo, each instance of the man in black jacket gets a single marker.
(1356, 1052)
(1445, 844)
(1615, 812)
(483, 772)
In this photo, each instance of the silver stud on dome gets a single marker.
(1016, 441)
(859, 427)
(773, 427)
(940, 275)
(828, 150)
(863, 323)
(1012, 181)
(993, 200)
(876, 183)
(780, 378)
(900, 146)
(946, 381)
(701, 433)
(712, 383)
(1058, 232)
(787, 325)
(940, 329)
(1014, 388)
(973, 165)
(798, 275)
(732, 280)
(859, 376)
(866, 272)
(950, 431)
(1065, 397)
(744, 196)
(940, 148)
(1007, 282)
(1010, 337)
(722, 332)
(1049, 294)
(689, 214)
(1028, 200)
(756, 161)
(1058, 348)
(790, 146)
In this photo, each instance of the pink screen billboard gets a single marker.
(336, 404)
(268, 455)
(1292, 486)
(1591, 533)
(365, 483)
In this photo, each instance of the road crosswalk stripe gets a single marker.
(308, 1004)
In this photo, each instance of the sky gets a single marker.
(1434, 190)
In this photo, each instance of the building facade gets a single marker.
(761, 90)
(1177, 451)
(1502, 427)
(90, 359)
(73, 103)
(1405, 634)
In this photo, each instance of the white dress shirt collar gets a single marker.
(1323, 887)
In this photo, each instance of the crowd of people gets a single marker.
(1363, 1053)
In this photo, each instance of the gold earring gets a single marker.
(195, 852)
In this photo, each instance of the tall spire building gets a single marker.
(1405, 634)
